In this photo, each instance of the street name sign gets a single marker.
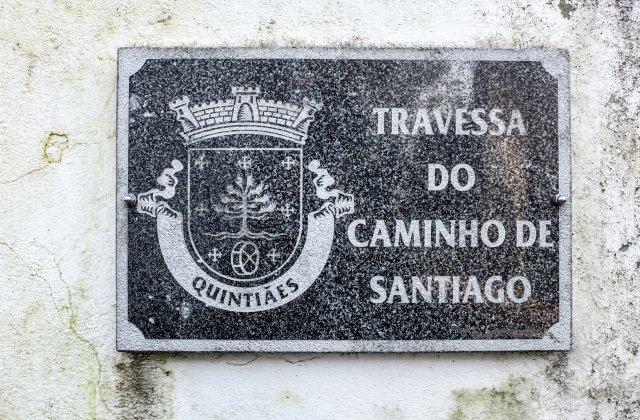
(316, 200)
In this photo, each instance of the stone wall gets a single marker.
(57, 239)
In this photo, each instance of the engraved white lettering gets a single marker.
(456, 290)
(458, 121)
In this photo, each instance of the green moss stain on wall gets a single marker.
(515, 399)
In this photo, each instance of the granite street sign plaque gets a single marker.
(343, 200)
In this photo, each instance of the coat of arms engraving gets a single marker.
(247, 243)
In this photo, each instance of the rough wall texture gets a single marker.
(57, 180)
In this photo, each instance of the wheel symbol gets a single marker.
(245, 258)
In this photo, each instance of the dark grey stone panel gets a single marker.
(343, 200)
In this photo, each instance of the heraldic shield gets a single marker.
(245, 242)
(245, 209)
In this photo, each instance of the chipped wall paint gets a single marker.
(57, 130)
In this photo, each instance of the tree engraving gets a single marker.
(245, 200)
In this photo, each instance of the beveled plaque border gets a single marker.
(558, 337)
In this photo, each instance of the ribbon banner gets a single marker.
(215, 292)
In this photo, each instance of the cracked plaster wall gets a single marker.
(57, 134)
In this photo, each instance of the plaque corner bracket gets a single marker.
(128, 337)
(130, 61)
(556, 63)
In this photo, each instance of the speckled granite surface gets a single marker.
(246, 237)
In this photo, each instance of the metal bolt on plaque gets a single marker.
(130, 200)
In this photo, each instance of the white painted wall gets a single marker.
(57, 183)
